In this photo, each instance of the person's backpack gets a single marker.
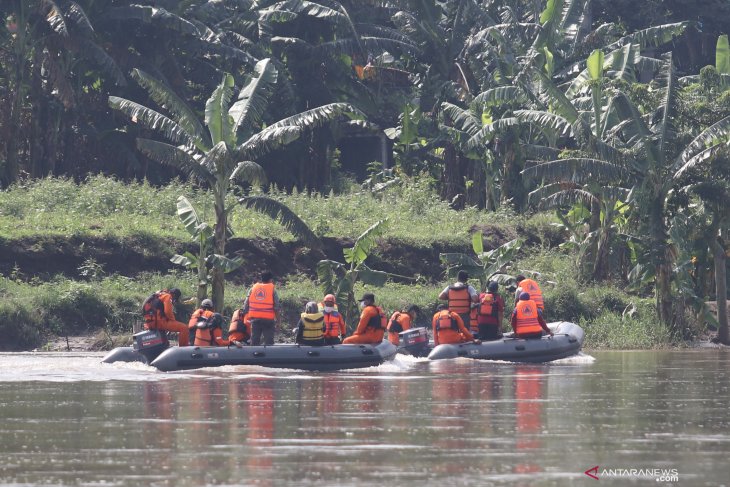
(393, 325)
(488, 305)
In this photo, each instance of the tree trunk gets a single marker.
(452, 189)
(719, 256)
(221, 223)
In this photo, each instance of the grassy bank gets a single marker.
(32, 310)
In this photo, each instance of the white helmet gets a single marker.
(206, 303)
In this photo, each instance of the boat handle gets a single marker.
(312, 353)
(367, 351)
(259, 354)
(197, 355)
(572, 340)
(519, 347)
(461, 353)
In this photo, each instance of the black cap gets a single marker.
(367, 297)
(493, 286)
(175, 292)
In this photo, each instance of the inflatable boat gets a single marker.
(156, 352)
(567, 341)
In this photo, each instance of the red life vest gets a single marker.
(445, 321)
(459, 299)
(531, 287)
(261, 301)
(527, 322)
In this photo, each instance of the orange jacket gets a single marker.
(443, 328)
(404, 320)
(527, 319)
(163, 309)
(199, 314)
(334, 324)
(210, 337)
(459, 299)
(261, 301)
(531, 287)
(372, 323)
(240, 327)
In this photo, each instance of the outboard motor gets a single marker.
(414, 341)
(150, 343)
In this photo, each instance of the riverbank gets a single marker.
(79, 259)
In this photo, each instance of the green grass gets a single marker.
(103, 206)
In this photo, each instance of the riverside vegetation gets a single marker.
(594, 135)
(103, 215)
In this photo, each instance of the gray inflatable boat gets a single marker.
(567, 341)
(289, 356)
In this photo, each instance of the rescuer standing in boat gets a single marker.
(262, 306)
(461, 297)
(159, 315)
(371, 328)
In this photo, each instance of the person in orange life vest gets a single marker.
(159, 314)
(448, 328)
(401, 321)
(262, 307)
(209, 332)
(531, 287)
(200, 315)
(461, 297)
(335, 326)
(490, 313)
(239, 331)
(527, 320)
(371, 327)
(311, 327)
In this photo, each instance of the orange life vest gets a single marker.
(380, 321)
(459, 299)
(199, 315)
(527, 321)
(206, 337)
(332, 324)
(261, 301)
(238, 325)
(445, 321)
(531, 287)
(488, 305)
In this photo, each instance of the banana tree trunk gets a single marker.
(719, 256)
(219, 247)
(663, 265)
(452, 178)
(202, 271)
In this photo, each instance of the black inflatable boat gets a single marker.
(147, 349)
(567, 341)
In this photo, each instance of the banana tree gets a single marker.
(489, 266)
(222, 156)
(340, 278)
(202, 234)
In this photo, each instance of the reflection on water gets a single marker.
(69, 421)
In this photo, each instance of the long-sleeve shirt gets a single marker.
(450, 335)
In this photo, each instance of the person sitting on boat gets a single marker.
(527, 320)
(335, 327)
(239, 331)
(448, 328)
(401, 321)
(371, 327)
(531, 287)
(311, 327)
(159, 315)
(490, 313)
(209, 331)
(461, 297)
(262, 307)
(200, 315)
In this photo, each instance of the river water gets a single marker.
(640, 418)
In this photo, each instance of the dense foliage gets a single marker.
(600, 111)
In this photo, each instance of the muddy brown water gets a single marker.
(628, 418)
